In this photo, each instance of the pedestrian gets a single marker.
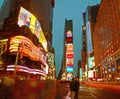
(74, 87)
(77, 84)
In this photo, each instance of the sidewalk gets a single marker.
(32, 89)
(111, 86)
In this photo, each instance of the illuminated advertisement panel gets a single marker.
(69, 62)
(69, 40)
(25, 69)
(69, 34)
(26, 47)
(28, 19)
(69, 48)
(43, 40)
(90, 74)
(91, 62)
(89, 38)
(3, 45)
(69, 69)
(80, 71)
(69, 55)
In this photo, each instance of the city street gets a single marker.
(49, 50)
(87, 92)
(49, 89)
(97, 93)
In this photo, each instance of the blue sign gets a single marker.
(69, 69)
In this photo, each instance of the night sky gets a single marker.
(69, 9)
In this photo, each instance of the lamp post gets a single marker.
(16, 61)
(17, 56)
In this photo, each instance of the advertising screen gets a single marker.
(80, 72)
(69, 48)
(43, 40)
(26, 47)
(69, 40)
(69, 69)
(90, 74)
(91, 62)
(69, 62)
(89, 38)
(69, 34)
(3, 46)
(25, 69)
(28, 19)
(69, 55)
(69, 37)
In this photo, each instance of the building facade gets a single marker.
(107, 41)
(68, 52)
(25, 35)
(87, 62)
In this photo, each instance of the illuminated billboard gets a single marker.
(89, 38)
(69, 34)
(69, 37)
(91, 62)
(27, 48)
(25, 69)
(43, 40)
(69, 55)
(69, 69)
(28, 19)
(69, 48)
(90, 73)
(69, 62)
(3, 45)
(69, 40)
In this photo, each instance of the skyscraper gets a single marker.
(89, 18)
(68, 55)
(26, 27)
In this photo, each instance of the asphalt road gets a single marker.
(86, 92)
(47, 90)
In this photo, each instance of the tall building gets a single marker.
(68, 54)
(87, 53)
(107, 41)
(41, 9)
(26, 32)
(84, 53)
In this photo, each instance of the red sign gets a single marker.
(69, 40)
(69, 55)
(69, 62)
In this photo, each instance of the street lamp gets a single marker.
(17, 56)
